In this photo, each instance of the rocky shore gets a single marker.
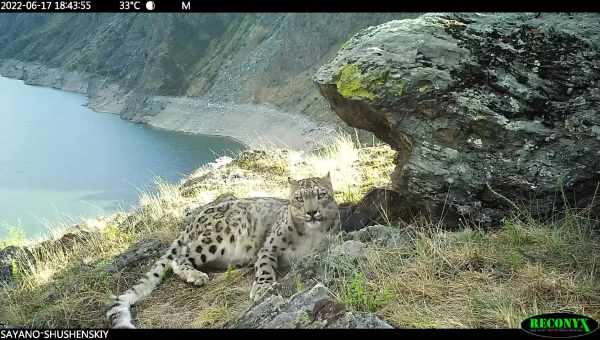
(254, 125)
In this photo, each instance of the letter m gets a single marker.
(186, 5)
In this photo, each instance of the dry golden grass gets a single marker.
(433, 278)
(70, 288)
(473, 278)
(177, 304)
(354, 170)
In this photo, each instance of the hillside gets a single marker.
(407, 275)
(252, 58)
(477, 210)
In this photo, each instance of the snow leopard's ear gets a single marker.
(326, 180)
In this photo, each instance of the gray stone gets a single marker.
(379, 235)
(312, 308)
(267, 309)
(68, 240)
(351, 248)
(143, 250)
(7, 256)
(6, 326)
(486, 111)
(359, 320)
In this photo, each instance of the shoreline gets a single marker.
(175, 114)
(145, 124)
(254, 126)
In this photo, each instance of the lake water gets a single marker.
(60, 161)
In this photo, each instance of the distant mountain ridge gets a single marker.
(246, 58)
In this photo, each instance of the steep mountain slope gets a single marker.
(245, 58)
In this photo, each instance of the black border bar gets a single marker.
(188, 6)
(379, 334)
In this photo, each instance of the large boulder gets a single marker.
(486, 111)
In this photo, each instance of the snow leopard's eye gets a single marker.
(299, 198)
(322, 195)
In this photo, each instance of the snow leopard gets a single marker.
(263, 232)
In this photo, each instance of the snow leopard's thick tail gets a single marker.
(119, 313)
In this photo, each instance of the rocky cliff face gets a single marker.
(262, 59)
(486, 110)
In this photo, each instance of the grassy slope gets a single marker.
(474, 278)
(434, 278)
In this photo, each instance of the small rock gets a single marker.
(265, 309)
(328, 309)
(312, 308)
(68, 240)
(6, 326)
(378, 234)
(360, 320)
(136, 253)
(351, 248)
(7, 256)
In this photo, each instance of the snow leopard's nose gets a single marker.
(312, 214)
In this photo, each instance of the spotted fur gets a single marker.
(241, 232)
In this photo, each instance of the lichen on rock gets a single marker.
(351, 83)
(485, 110)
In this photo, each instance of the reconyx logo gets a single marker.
(559, 325)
